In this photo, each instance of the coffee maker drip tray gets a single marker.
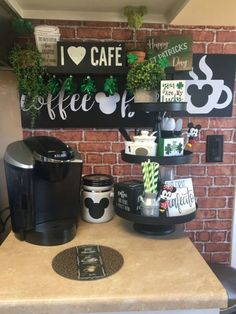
(87, 262)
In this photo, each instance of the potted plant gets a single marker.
(27, 65)
(135, 20)
(143, 80)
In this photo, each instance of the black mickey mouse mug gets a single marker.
(97, 198)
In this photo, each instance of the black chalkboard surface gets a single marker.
(209, 92)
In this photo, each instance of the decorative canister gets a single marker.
(97, 198)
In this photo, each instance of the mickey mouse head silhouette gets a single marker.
(96, 210)
(108, 104)
(199, 96)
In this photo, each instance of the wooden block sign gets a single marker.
(177, 49)
(92, 58)
(172, 91)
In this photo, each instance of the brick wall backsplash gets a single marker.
(214, 183)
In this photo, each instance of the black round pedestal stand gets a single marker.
(156, 230)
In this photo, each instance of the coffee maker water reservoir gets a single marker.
(43, 180)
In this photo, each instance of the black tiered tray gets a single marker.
(154, 225)
(172, 160)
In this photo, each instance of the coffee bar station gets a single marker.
(89, 242)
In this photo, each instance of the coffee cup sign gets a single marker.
(213, 92)
(91, 58)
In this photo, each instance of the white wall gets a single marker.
(10, 124)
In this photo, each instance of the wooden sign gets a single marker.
(209, 92)
(177, 49)
(172, 91)
(182, 202)
(91, 58)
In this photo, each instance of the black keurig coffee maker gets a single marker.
(43, 180)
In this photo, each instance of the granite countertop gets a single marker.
(159, 273)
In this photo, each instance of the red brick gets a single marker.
(222, 258)
(153, 25)
(136, 170)
(222, 191)
(101, 24)
(225, 36)
(215, 48)
(94, 158)
(203, 236)
(195, 158)
(122, 170)
(225, 213)
(219, 236)
(198, 170)
(217, 225)
(194, 225)
(203, 134)
(117, 147)
(230, 147)
(142, 34)
(205, 36)
(94, 147)
(229, 158)
(40, 133)
(102, 169)
(217, 247)
(92, 32)
(109, 158)
(206, 214)
(101, 136)
(165, 32)
(211, 202)
(87, 169)
(122, 34)
(202, 181)
(220, 170)
(221, 181)
(68, 135)
(199, 48)
(230, 48)
(183, 170)
(222, 123)
(67, 32)
(228, 134)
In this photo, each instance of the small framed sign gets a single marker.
(177, 49)
(91, 58)
(182, 202)
(172, 91)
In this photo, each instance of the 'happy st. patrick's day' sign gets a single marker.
(91, 58)
(177, 49)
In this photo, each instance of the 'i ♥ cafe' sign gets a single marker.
(91, 58)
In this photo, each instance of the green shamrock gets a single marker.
(180, 85)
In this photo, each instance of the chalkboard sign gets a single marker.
(91, 58)
(209, 92)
